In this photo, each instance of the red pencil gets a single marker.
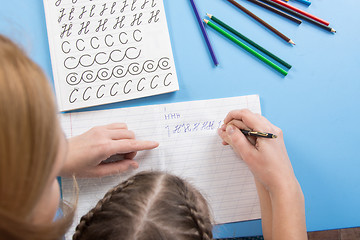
(302, 12)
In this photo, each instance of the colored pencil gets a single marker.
(248, 49)
(304, 2)
(277, 11)
(268, 26)
(249, 41)
(204, 33)
(302, 12)
(285, 9)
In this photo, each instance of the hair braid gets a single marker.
(157, 205)
(198, 214)
(85, 220)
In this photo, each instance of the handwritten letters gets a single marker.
(108, 51)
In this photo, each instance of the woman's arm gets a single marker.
(87, 151)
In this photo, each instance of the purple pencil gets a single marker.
(204, 33)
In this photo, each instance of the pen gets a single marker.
(258, 134)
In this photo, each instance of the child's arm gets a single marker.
(266, 210)
(86, 152)
(288, 212)
(268, 161)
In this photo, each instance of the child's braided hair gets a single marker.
(148, 206)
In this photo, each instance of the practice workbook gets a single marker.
(189, 147)
(108, 51)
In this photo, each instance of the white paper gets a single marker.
(108, 51)
(189, 147)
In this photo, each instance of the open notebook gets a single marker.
(189, 147)
(108, 51)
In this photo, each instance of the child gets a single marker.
(148, 206)
(34, 151)
(160, 206)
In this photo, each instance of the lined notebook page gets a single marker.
(189, 147)
(108, 51)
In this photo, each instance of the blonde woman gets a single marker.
(34, 151)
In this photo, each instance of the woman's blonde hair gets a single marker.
(148, 206)
(29, 143)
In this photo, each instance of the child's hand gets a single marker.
(281, 197)
(266, 158)
(87, 151)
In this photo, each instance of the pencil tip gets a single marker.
(206, 21)
(292, 42)
(333, 30)
(209, 15)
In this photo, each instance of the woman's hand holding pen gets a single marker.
(88, 151)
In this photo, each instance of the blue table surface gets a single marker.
(316, 105)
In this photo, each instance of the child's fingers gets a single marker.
(238, 141)
(250, 120)
(222, 134)
(239, 124)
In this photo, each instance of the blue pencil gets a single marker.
(204, 33)
(304, 2)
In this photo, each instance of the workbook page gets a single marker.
(108, 51)
(189, 147)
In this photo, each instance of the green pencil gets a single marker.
(248, 49)
(260, 48)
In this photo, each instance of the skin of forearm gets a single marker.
(266, 210)
(288, 212)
